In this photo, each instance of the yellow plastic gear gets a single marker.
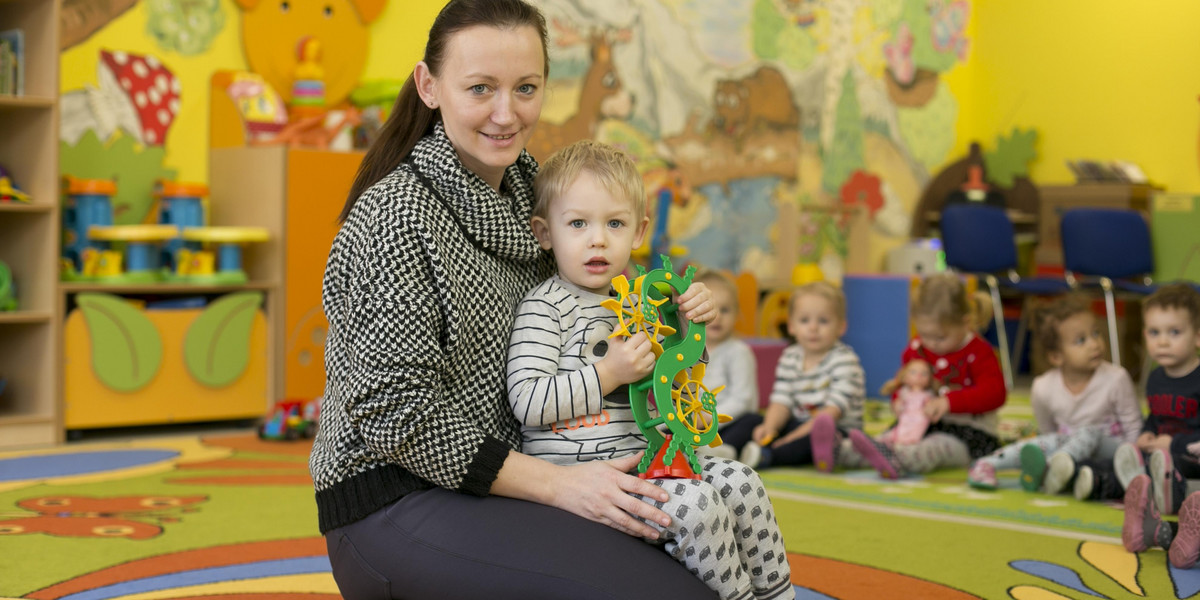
(630, 308)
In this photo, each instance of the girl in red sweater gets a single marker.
(968, 383)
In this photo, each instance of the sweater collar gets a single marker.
(499, 222)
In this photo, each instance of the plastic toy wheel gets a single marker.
(694, 412)
(635, 312)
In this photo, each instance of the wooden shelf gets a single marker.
(25, 316)
(24, 419)
(19, 207)
(18, 102)
(165, 288)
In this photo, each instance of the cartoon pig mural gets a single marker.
(273, 31)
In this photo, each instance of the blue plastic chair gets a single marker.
(1109, 247)
(978, 239)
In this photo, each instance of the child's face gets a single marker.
(814, 323)
(1171, 340)
(918, 376)
(592, 233)
(721, 328)
(1081, 347)
(939, 337)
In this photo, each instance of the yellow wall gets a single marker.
(1104, 80)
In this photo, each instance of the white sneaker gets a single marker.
(1161, 470)
(722, 451)
(1128, 463)
(1059, 470)
(1085, 481)
(751, 454)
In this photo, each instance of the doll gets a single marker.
(915, 383)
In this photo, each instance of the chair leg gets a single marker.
(1110, 306)
(1022, 329)
(1001, 334)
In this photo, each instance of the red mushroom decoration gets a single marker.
(151, 90)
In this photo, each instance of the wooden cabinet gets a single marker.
(296, 194)
(29, 402)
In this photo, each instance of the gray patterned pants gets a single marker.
(723, 530)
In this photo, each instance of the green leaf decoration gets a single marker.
(216, 348)
(1011, 157)
(126, 348)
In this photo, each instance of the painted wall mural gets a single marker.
(765, 108)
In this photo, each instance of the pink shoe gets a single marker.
(1185, 548)
(982, 476)
(1143, 527)
(877, 454)
(824, 438)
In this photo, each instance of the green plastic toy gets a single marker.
(8, 296)
(681, 401)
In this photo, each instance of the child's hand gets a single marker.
(937, 408)
(628, 359)
(1145, 441)
(697, 304)
(761, 434)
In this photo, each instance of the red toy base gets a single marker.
(679, 469)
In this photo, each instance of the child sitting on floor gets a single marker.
(567, 379)
(731, 362)
(1085, 407)
(819, 388)
(970, 387)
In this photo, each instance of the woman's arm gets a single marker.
(598, 491)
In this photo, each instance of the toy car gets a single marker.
(291, 419)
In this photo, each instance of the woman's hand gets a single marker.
(937, 408)
(600, 491)
(697, 304)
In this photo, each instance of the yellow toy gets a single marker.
(221, 260)
(140, 244)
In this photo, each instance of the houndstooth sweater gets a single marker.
(420, 293)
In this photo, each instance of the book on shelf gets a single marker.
(12, 62)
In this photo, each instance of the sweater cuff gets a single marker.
(485, 467)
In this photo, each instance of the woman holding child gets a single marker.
(420, 489)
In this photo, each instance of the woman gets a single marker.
(420, 490)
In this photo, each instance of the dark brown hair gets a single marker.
(411, 119)
(1176, 295)
(1049, 317)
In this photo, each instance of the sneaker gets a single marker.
(1033, 467)
(1085, 482)
(1059, 471)
(876, 453)
(824, 438)
(754, 456)
(982, 476)
(1128, 463)
(1160, 480)
(1143, 528)
(1185, 548)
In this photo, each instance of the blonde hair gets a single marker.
(1176, 295)
(1052, 315)
(715, 278)
(894, 383)
(822, 289)
(612, 168)
(942, 296)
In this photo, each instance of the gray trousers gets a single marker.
(723, 530)
(442, 545)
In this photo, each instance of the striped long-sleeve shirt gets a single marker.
(559, 334)
(838, 380)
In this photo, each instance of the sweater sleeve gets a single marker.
(847, 383)
(1125, 405)
(740, 395)
(986, 391)
(1042, 401)
(787, 374)
(394, 330)
(538, 393)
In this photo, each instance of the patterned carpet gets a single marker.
(232, 516)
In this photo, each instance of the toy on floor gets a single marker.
(291, 419)
(8, 295)
(682, 402)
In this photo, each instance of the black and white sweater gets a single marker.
(420, 293)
